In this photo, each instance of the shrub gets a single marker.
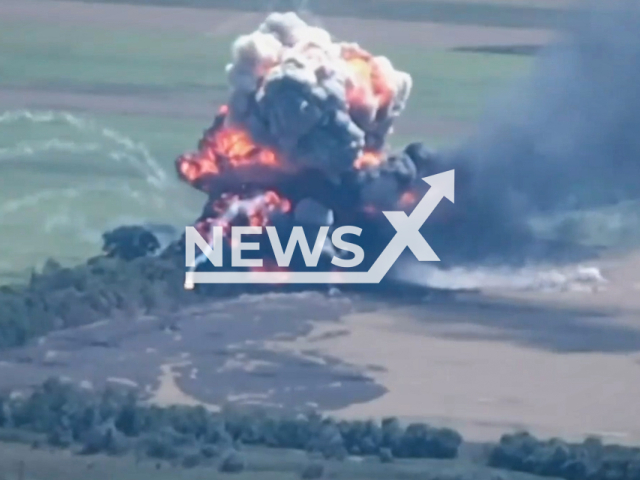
(385, 455)
(555, 458)
(113, 420)
(422, 441)
(209, 451)
(313, 471)
(191, 460)
(60, 437)
(125, 279)
(160, 446)
(232, 462)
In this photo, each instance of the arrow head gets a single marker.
(444, 182)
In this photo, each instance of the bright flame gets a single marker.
(223, 148)
(408, 199)
(256, 211)
(368, 160)
(371, 81)
(375, 92)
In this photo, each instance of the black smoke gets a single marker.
(567, 138)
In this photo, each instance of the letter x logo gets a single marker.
(408, 227)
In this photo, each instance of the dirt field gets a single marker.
(482, 366)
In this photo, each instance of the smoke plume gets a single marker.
(302, 139)
(565, 139)
(307, 120)
(317, 102)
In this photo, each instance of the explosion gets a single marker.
(303, 137)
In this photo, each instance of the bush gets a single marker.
(209, 451)
(555, 458)
(124, 280)
(232, 462)
(191, 460)
(130, 242)
(313, 471)
(385, 455)
(113, 420)
(160, 445)
(105, 439)
(422, 441)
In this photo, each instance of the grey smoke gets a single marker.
(568, 138)
(291, 84)
(309, 123)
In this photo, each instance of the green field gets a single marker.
(68, 176)
(450, 85)
(261, 464)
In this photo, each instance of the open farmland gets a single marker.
(96, 101)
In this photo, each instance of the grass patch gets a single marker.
(447, 84)
(67, 178)
(262, 464)
(31, 52)
(456, 85)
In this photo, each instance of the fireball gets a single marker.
(307, 117)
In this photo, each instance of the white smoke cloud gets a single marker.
(316, 100)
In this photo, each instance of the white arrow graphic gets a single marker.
(407, 236)
(408, 228)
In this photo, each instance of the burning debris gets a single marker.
(307, 121)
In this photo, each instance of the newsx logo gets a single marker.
(407, 236)
(214, 250)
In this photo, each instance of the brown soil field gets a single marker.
(482, 364)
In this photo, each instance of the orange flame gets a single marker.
(368, 160)
(226, 146)
(223, 148)
(408, 199)
(229, 146)
(369, 79)
(257, 211)
(271, 202)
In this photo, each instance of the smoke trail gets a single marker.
(575, 278)
(565, 140)
(24, 149)
(78, 193)
(134, 153)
